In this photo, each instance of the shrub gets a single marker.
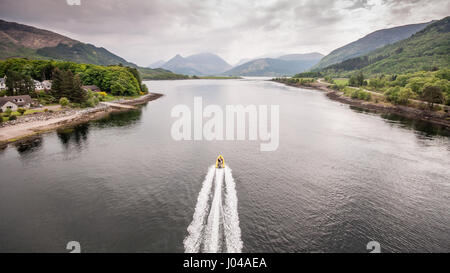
(377, 83)
(12, 117)
(432, 94)
(404, 95)
(21, 111)
(91, 102)
(63, 101)
(45, 110)
(7, 112)
(329, 79)
(392, 94)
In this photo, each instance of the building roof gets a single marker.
(91, 87)
(18, 100)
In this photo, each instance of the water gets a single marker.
(340, 178)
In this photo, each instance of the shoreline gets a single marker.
(26, 130)
(442, 119)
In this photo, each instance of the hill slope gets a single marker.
(198, 64)
(427, 49)
(369, 43)
(18, 40)
(286, 65)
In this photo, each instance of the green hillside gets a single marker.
(428, 49)
(369, 43)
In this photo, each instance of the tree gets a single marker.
(57, 78)
(65, 84)
(77, 94)
(357, 80)
(432, 94)
(19, 84)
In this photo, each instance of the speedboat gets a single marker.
(220, 162)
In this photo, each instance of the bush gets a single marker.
(12, 117)
(63, 101)
(329, 79)
(432, 94)
(91, 102)
(7, 112)
(404, 95)
(377, 83)
(21, 111)
(359, 94)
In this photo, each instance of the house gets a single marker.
(38, 85)
(91, 87)
(15, 102)
(3, 84)
(47, 84)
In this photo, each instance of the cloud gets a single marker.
(144, 31)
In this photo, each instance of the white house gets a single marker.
(15, 102)
(47, 84)
(38, 85)
(3, 84)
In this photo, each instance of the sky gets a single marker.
(145, 31)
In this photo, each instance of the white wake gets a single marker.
(215, 225)
(193, 241)
(231, 216)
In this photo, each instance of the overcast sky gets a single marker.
(145, 31)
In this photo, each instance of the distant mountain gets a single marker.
(286, 65)
(369, 43)
(426, 50)
(18, 40)
(302, 57)
(243, 61)
(198, 64)
(157, 64)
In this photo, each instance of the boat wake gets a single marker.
(215, 224)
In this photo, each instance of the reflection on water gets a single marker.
(75, 135)
(426, 128)
(429, 129)
(28, 146)
(120, 119)
(78, 135)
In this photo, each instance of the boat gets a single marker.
(220, 162)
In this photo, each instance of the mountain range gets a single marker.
(285, 65)
(370, 42)
(427, 49)
(18, 40)
(198, 64)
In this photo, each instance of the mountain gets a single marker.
(428, 49)
(198, 64)
(369, 43)
(18, 40)
(157, 64)
(286, 65)
(302, 57)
